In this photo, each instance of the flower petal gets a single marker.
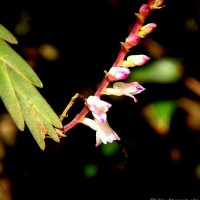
(98, 107)
(118, 73)
(104, 133)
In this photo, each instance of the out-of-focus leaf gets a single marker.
(159, 115)
(193, 84)
(193, 112)
(2, 152)
(110, 149)
(197, 171)
(49, 52)
(154, 48)
(7, 35)
(165, 70)
(15, 61)
(175, 154)
(5, 187)
(90, 170)
(8, 129)
(9, 98)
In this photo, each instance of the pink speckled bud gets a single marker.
(132, 40)
(118, 73)
(144, 10)
(147, 29)
(135, 60)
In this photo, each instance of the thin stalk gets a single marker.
(105, 82)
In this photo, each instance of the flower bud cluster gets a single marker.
(99, 108)
(118, 72)
(139, 31)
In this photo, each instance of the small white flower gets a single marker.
(104, 133)
(98, 107)
(127, 89)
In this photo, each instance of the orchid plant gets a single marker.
(119, 71)
(18, 84)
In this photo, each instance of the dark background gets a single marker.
(87, 35)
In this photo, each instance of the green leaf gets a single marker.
(159, 115)
(165, 70)
(15, 61)
(31, 118)
(22, 99)
(7, 35)
(49, 128)
(29, 92)
(9, 98)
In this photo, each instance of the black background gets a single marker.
(87, 34)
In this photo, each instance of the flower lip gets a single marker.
(104, 133)
(127, 89)
(98, 107)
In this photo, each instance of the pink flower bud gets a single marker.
(147, 29)
(132, 40)
(144, 10)
(135, 60)
(138, 60)
(118, 73)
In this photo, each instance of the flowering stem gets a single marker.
(69, 105)
(141, 17)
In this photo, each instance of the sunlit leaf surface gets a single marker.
(7, 35)
(25, 104)
(15, 61)
(9, 98)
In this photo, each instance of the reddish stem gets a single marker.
(105, 82)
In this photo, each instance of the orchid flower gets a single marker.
(104, 133)
(127, 89)
(98, 108)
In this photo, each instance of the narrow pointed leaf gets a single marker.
(15, 61)
(29, 92)
(32, 121)
(49, 128)
(9, 98)
(7, 35)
